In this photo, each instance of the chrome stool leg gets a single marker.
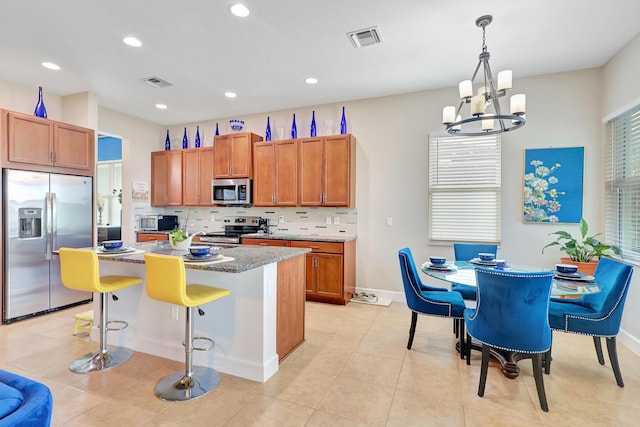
(192, 382)
(102, 359)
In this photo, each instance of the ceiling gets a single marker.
(204, 51)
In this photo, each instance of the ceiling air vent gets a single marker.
(157, 82)
(365, 37)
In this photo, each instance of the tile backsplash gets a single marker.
(319, 221)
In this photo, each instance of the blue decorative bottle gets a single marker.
(313, 123)
(197, 145)
(267, 133)
(343, 123)
(167, 142)
(40, 110)
(217, 133)
(294, 129)
(185, 140)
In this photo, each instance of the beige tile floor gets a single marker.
(353, 370)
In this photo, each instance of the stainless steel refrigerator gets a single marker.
(41, 213)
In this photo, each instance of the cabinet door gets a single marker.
(311, 274)
(264, 180)
(30, 139)
(286, 173)
(190, 176)
(337, 171)
(73, 146)
(222, 156)
(206, 176)
(329, 275)
(241, 156)
(310, 171)
(166, 178)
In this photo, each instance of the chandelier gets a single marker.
(487, 116)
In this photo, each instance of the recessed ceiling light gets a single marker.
(51, 65)
(239, 10)
(230, 94)
(161, 106)
(132, 41)
(311, 80)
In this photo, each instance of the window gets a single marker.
(464, 189)
(622, 184)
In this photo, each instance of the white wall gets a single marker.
(621, 90)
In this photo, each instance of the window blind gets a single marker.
(622, 186)
(464, 188)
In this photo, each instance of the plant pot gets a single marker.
(583, 267)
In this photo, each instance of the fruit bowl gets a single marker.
(199, 250)
(112, 245)
(438, 260)
(236, 125)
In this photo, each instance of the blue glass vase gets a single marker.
(313, 123)
(167, 142)
(217, 133)
(267, 133)
(40, 110)
(185, 140)
(197, 144)
(294, 129)
(343, 123)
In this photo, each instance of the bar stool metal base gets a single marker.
(101, 361)
(179, 387)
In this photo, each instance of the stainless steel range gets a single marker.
(235, 227)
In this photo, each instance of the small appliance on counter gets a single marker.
(158, 222)
(234, 228)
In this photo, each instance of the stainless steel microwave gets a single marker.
(231, 192)
(158, 222)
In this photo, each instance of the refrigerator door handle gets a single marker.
(54, 222)
(47, 225)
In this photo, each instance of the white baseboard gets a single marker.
(631, 342)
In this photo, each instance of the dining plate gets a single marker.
(445, 267)
(478, 261)
(574, 277)
(191, 258)
(102, 250)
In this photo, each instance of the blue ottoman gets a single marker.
(24, 402)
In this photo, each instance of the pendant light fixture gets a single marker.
(486, 115)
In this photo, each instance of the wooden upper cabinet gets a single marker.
(49, 144)
(275, 173)
(326, 171)
(197, 174)
(166, 178)
(233, 155)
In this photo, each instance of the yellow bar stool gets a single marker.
(79, 269)
(167, 281)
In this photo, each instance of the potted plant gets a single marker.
(583, 251)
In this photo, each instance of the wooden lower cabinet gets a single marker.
(330, 268)
(151, 237)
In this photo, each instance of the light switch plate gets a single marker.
(336, 220)
(281, 219)
(328, 220)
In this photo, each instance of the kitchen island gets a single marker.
(254, 328)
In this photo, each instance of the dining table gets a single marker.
(463, 272)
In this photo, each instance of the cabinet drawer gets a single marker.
(324, 247)
(264, 242)
(151, 237)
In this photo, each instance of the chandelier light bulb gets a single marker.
(518, 103)
(487, 124)
(457, 128)
(477, 105)
(448, 114)
(505, 80)
(466, 89)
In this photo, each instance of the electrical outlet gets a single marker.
(336, 220)
(328, 220)
(281, 219)
(212, 218)
(389, 221)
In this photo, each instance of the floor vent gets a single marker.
(157, 82)
(365, 37)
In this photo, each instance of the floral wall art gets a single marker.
(553, 185)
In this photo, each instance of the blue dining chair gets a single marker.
(512, 314)
(598, 315)
(438, 302)
(466, 252)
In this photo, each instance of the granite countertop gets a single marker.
(308, 237)
(246, 257)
